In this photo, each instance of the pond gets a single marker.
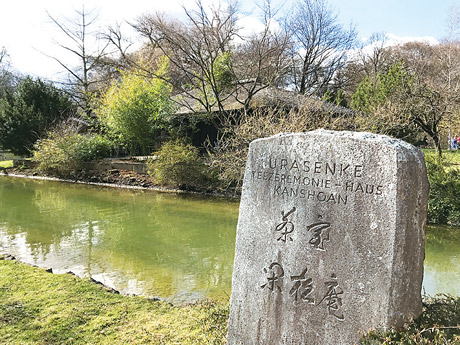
(173, 246)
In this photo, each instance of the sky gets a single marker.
(27, 33)
(409, 18)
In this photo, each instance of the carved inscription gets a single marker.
(329, 182)
(333, 301)
(320, 233)
(302, 288)
(286, 227)
(318, 167)
(287, 141)
(319, 181)
(275, 278)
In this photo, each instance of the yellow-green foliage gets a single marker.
(37, 307)
(65, 150)
(178, 165)
(444, 177)
(136, 108)
(222, 68)
(6, 164)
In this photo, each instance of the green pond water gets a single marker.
(176, 247)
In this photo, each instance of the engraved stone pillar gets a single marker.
(330, 239)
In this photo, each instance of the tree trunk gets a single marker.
(437, 144)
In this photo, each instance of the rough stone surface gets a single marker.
(330, 239)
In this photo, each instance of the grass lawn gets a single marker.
(6, 164)
(451, 158)
(37, 307)
(451, 155)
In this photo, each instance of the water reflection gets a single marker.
(180, 248)
(442, 260)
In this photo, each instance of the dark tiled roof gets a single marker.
(265, 97)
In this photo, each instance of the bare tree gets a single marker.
(210, 61)
(196, 49)
(3, 55)
(262, 59)
(320, 45)
(420, 91)
(372, 58)
(8, 78)
(423, 106)
(453, 24)
(80, 42)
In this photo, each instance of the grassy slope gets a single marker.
(37, 307)
(452, 158)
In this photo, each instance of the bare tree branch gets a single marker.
(81, 78)
(320, 45)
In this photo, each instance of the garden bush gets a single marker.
(64, 150)
(135, 110)
(439, 324)
(444, 201)
(179, 165)
(228, 156)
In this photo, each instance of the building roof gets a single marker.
(265, 97)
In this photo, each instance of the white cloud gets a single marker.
(27, 32)
(390, 41)
(250, 25)
(393, 40)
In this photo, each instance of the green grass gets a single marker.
(453, 155)
(37, 307)
(6, 164)
(451, 158)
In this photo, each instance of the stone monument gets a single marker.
(330, 239)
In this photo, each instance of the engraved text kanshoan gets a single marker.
(302, 288)
(309, 194)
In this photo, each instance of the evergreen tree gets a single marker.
(29, 111)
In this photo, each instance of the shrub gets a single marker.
(438, 325)
(94, 146)
(65, 150)
(229, 156)
(444, 202)
(135, 110)
(179, 165)
(29, 111)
